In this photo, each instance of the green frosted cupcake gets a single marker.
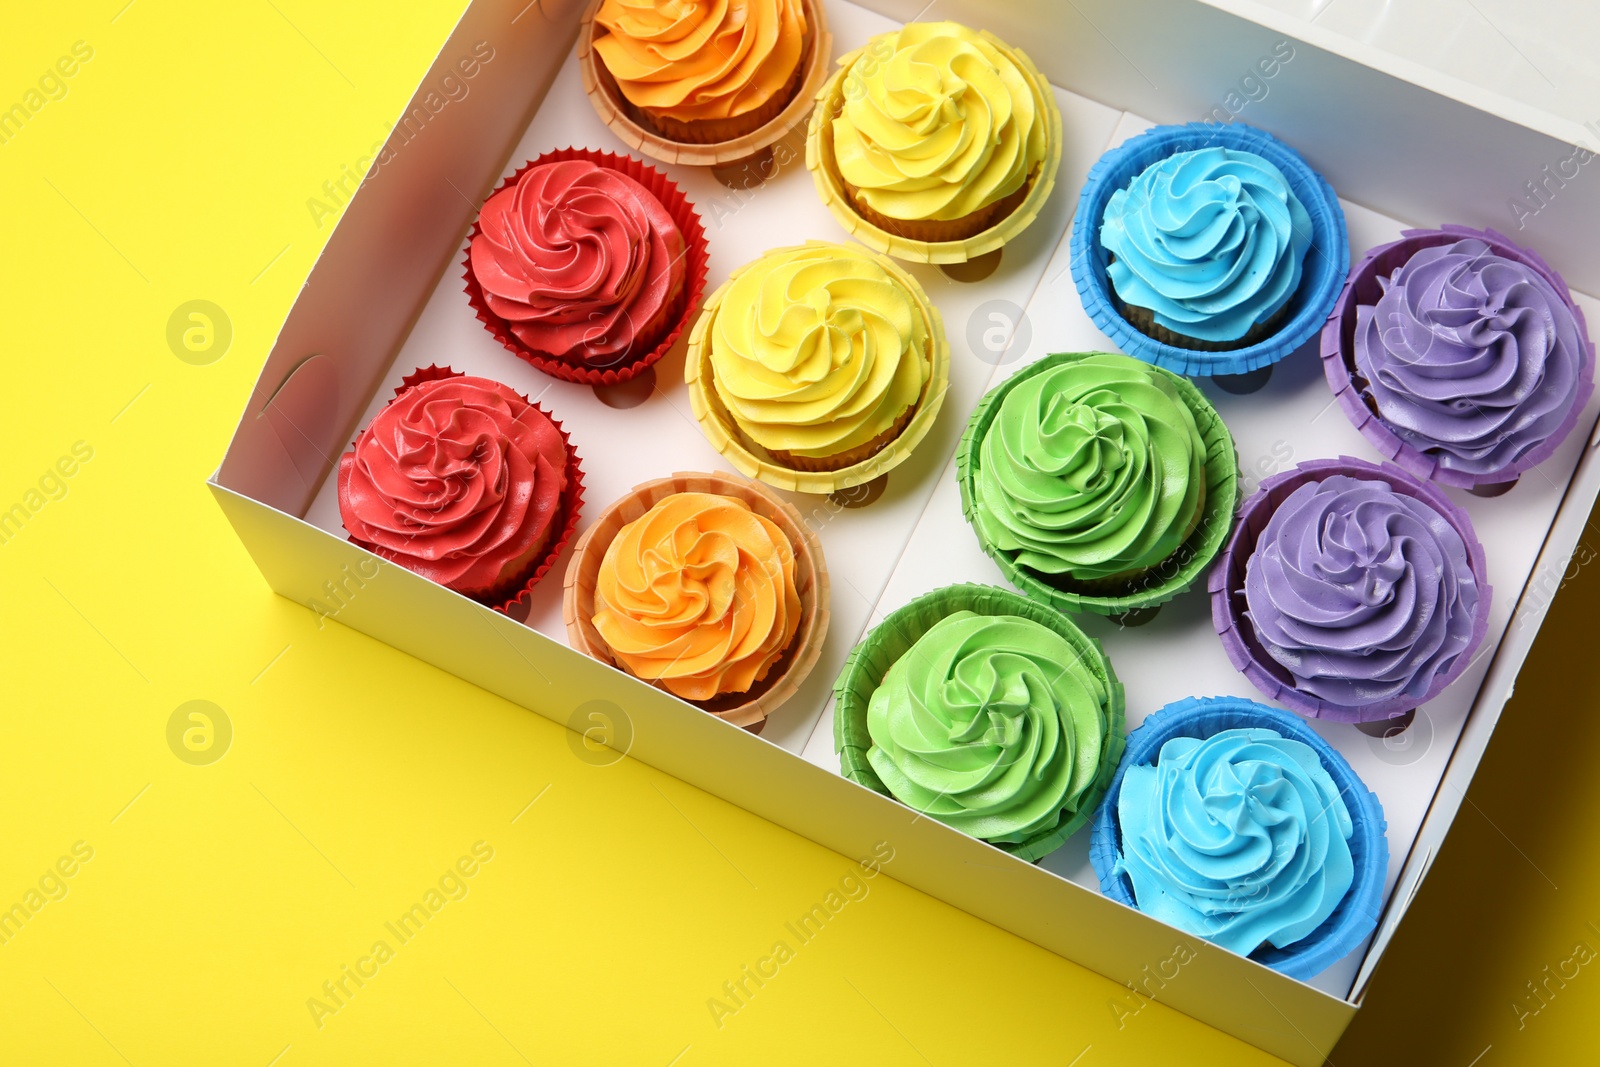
(986, 711)
(1098, 482)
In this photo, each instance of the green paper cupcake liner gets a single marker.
(870, 660)
(1158, 584)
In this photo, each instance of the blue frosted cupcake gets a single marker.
(1238, 823)
(1208, 249)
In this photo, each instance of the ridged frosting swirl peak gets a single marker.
(1091, 469)
(819, 349)
(579, 259)
(693, 60)
(1471, 357)
(459, 479)
(992, 724)
(698, 594)
(1211, 241)
(1360, 592)
(937, 123)
(1241, 838)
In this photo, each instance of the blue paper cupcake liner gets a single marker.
(1327, 260)
(1356, 915)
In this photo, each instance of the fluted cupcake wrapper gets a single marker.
(1326, 261)
(870, 660)
(694, 279)
(1339, 366)
(902, 241)
(749, 709)
(636, 130)
(1156, 585)
(1226, 587)
(1356, 916)
(720, 429)
(503, 600)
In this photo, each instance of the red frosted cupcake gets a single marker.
(463, 481)
(580, 264)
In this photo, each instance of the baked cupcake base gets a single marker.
(935, 231)
(1339, 366)
(655, 340)
(1201, 717)
(723, 143)
(870, 660)
(1141, 592)
(1226, 588)
(901, 238)
(1326, 261)
(751, 708)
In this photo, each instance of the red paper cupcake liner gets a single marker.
(566, 521)
(1337, 348)
(694, 282)
(1226, 587)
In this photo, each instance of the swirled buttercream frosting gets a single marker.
(819, 349)
(581, 261)
(1359, 592)
(992, 724)
(938, 122)
(1092, 469)
(1212, 242)
(458, 479)
(1241, 838)
(693, 60)
(698, 594)
(1472, 358)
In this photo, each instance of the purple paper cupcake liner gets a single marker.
(1326, 262)
(1226, 586)
(1355, 917)
(1338, 354)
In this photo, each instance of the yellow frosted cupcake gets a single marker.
(704, 71)
(820, 355)
(936, 132)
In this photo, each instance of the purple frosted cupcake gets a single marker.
(1459, 355)
(1350, 591)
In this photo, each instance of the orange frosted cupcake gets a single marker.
(704, 71)
(698, 595)
(707, 586)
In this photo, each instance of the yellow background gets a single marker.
(219, 898)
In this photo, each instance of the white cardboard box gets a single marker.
(1406, 147)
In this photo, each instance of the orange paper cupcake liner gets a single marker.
(751, 708)
(566, 520)
(694, 279)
